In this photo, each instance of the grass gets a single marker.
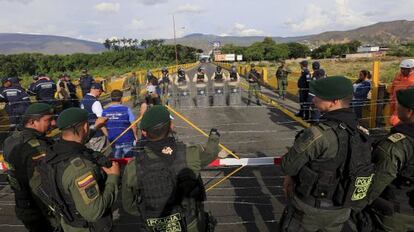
(350, 68)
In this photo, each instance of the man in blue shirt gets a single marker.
(120, 117)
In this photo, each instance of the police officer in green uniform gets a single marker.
(393, 184)
(85, 188)
(162, 185)
(253, 78)
(314, 164)
(282, 79)
(23, 149)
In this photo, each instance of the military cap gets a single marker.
(155, 116)
(252, 65)
(38, 109)
(71, 117)
(332, 88)
(406, 98)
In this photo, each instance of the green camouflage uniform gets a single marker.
(315, 143)
(282, 80)
(197, 157)
(391, 157)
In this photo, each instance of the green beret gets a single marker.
(406, 98)
(39, 109)
(155, 116)
(70, 117)
(332, 88)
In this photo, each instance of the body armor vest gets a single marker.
(218, 77)
(341, 181)
(401, 191)
(181, 78)
(200, 77)
(233, 76)
(16, 160)
(53, 194)
(169, 193)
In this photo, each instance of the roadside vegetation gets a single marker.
(119, 59)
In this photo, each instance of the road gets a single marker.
(250, 200)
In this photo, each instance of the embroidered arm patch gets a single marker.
(88, 187)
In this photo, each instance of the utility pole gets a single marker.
(175, 44)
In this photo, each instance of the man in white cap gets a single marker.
(403, 80)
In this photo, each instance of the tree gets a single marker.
(297, 50)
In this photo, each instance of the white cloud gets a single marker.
(341, 15)
(242, 30)
(107, 7)
(18, 1)
(315, 18)
(136, 24)
(188, 8)
(152, 2)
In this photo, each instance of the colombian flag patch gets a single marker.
(87, 180)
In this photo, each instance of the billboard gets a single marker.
(228, 57)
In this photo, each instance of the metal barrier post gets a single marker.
(374, 96)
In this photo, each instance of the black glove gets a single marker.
(214, 131)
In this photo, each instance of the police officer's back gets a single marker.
(22, 152)
(318, 183)
(162, 184)
(303, 85)
(82, 188)
(85, 81)
(393, 184)
(16, 99)
(44, 89)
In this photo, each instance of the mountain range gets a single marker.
(382, 33)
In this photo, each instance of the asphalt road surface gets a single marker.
(250, 200)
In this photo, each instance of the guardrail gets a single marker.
(375, 113)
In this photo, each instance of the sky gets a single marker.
(97, 20)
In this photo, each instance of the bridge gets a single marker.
(243, 195)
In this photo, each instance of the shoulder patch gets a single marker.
(396, 137)
(34, 142)
(88, 187)
(78, 163)
(306, 138)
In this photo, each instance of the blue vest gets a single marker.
(87, 103)
(118, 121)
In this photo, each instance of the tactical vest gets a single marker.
(400, 192)
(233, 76)
(169, 193)
(165, 79)
(200, 77)
(218, 77)
(16, 160)
(181, 78)
(341, 181)
(52, 193)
